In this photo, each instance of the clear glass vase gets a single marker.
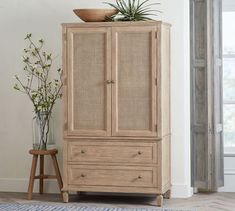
(43, 132)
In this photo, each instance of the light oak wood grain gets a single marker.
(117, 137)
(127, 176)
(120, 152)
(115, 24)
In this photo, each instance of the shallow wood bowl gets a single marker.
(94, 15)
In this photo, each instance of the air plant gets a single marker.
(132, 10)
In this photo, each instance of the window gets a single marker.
(229, 81)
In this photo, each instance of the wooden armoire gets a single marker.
(117, 108)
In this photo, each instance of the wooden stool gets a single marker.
(42, 176)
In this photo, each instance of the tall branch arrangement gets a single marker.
(41, 90)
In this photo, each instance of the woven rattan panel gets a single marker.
(134, 85)
(89, 76)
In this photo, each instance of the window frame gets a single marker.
(228, 150)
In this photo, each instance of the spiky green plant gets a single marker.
(132, 10)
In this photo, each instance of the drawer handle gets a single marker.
(83, 151)
(83, 175)
(137, 178)
(139, 153)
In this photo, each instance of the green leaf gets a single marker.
(124, 5)
(28, 36)
(120, 6)
(142, 3)
(16, 87)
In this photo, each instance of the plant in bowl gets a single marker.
(42, 91)
(132, 10)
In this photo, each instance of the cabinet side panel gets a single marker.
(166, 159)
(165, 81)
(65, 103)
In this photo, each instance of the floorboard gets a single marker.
(199, 202)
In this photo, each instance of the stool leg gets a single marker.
(41, 174)
(32, 175)
(57, 171)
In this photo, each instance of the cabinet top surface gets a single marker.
(113, 24)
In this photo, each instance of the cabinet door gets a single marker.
(89, 67)
(134, 78)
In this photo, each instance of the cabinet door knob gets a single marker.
(112, 82)
(83, 151)
(83, 175)
(108, 82)
(139, 177)
(139, 152)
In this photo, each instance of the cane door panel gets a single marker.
(89, 67)
(134, 75)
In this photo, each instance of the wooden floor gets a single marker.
(199, 202)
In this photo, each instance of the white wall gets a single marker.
(43, 19)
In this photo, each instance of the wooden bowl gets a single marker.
(94, 15)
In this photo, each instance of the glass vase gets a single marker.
(43, 132)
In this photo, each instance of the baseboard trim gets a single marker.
(51, 186)
(21, 185)
(181, 191)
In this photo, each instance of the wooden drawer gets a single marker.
(95, 175)
(98, 151)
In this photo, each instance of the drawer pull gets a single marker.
(139, 153)
(139, 177)
(83, 151)
(83, 175)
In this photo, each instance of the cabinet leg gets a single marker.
(65, 195)
(167, 195)
(159, 200)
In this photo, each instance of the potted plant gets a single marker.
(132, 10)
(42, 91)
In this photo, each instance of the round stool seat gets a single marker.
(43, 152)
